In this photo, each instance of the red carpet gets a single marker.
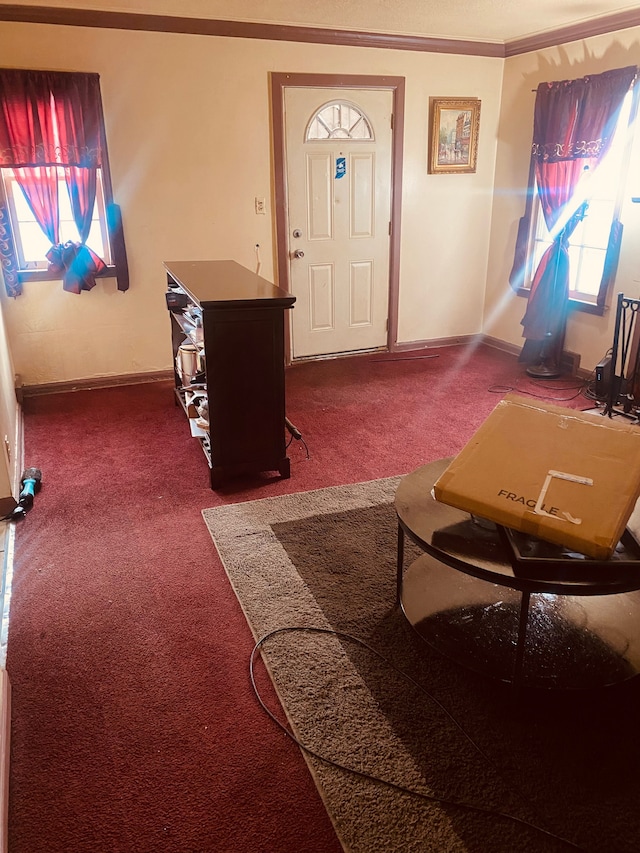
(134, 726)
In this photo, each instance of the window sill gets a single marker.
(46, 275)
(575, 304)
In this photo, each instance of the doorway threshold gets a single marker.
(331, 355)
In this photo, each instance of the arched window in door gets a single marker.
(338, 120)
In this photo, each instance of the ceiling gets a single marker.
(478, 20)
(498, 21)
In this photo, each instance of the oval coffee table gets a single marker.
(512, 607)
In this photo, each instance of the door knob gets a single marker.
(298, 253)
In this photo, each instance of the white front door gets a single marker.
(338, 202)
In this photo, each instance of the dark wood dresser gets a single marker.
(233, 324)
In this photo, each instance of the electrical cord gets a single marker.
(579, 388)
(294, 432)
(395, 785)
(590, 393)
(586, 388)
(302, 441)
(505, 389)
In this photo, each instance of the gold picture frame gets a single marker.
(454, 128)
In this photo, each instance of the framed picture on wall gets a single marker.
(453, 132)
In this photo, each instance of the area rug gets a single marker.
(409, 751)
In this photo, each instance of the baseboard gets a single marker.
(23, 391)
(95, 382)
(570, 360)
(503, 346)
(570, 364)
(460, 340)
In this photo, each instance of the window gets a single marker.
(57, 216)
(30, 242)
(591, 245)
(338, 120)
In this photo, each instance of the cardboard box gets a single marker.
(568, 477)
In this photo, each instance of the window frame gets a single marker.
(100, 216)
(339, 102)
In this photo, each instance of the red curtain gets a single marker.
(27, 139)
(77, 105)
(26, 118)
(81, 184)
(32, 104)
(40, 188)
(574, 123)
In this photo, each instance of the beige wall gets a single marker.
(11, 453)
(187, 121)
(588, 335)
(189, 143)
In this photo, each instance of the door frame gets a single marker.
(279, 82)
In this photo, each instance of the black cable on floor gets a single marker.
(396, 786)
(505, 389)
(302, 441)
(294, 432)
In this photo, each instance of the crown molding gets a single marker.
(99, 19)
(242, 29)
(576, 32)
